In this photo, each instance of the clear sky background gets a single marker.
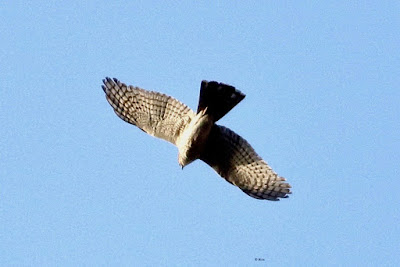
(80, 186)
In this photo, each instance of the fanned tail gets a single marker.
(218, 98)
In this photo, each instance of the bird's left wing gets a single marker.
(157, 114)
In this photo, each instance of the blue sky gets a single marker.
(80, 186)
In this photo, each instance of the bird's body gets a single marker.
(197, 136)
(191, 142)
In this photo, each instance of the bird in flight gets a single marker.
(196, 134)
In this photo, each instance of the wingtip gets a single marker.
(107, 80)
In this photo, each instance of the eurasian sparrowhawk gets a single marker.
(197, 136)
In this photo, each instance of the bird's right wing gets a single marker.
(157, 114)
(236, 161)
